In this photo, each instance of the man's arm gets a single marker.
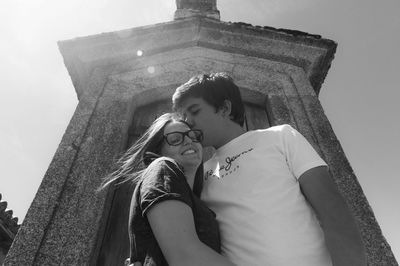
(342, 235)
(173, 226)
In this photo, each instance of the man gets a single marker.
(268, 186)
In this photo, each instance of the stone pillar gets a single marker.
(62, 224)
(193, 8)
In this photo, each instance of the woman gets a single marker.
(168, 224)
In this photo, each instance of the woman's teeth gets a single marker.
(189, 151)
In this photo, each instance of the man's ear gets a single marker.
(226, 108)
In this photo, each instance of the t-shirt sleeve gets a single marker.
(300, 154)
(163, 180)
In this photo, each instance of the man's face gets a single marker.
(201, 115)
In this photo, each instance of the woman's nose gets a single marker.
(187, 140)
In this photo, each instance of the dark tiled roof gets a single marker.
(8, 224)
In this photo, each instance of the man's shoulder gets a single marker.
(274, 130)
(279, 128)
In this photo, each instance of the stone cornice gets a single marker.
(311, 52)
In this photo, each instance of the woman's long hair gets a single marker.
(141, 153)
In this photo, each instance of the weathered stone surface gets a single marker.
(197, 4)
(312, 53)
(280, 70)
(196, 8)
(33, 236)
(378, 250)
(278, 110)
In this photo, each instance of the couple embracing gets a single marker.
(265, 197)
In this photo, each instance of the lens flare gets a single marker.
(151, 69)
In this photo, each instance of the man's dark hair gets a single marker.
(214, 89)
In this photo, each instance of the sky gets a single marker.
(360, 94)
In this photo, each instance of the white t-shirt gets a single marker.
(251, 183)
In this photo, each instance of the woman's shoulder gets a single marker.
(163, 161)
(164, 174)
(163, 165)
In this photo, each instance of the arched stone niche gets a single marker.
(269, 90)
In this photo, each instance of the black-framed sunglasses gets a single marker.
(176, 138)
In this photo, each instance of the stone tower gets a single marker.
(125, 79)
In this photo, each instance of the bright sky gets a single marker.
(360, 94)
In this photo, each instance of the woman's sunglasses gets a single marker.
(176, 138)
